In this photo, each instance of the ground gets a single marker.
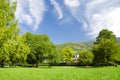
(60, 73)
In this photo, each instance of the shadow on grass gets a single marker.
(53, 67)
(88, 67)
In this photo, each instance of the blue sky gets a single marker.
(68, 20)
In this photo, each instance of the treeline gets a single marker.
(33, 49)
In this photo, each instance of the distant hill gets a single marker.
(118, 39)
(77, 46)
(88, 44)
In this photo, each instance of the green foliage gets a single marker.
(12, 47)
(115, 58)
(8, 28)
(105, 34)
(86, 57)
(15, 51)
(105, 47)
(57, 56)
(68, 54)
(31, 59)
(7, 10)
(41, 48)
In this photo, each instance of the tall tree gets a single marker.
(12, 46)
(104, 47)
(8, 27)
(105, 34)
(18, 50)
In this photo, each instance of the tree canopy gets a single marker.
(12, 47)
(104, 48)
(68, 54)
(105, 34)
(41, 48)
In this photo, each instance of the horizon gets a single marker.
(68, 20)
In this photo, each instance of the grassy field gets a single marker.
(60, 73)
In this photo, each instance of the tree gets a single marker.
(8, 27)
(104, 47)
(16, 51)
(85, 57)
(115, 58)
(12, 46)
(41, 48)
(19, 52)
(105, 34)
(55, 57)
(68, 54)
(103, 51)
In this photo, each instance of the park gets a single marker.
(33, 56)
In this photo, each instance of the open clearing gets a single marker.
(60, 73)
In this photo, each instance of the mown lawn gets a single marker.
(60, 73)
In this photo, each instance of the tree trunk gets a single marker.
(37, 64)
(33, 65)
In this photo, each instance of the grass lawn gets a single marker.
(60, 73)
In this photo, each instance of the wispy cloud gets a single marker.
(95, 15)
(30, 12)
(57, 9)
(77, 12)
(103, 14)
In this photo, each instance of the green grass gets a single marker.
(60, 73)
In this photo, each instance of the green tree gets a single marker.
(20, 51)
(12, 46)
(104, 47)
(68, 54)
(105, 34)
(16, 50)
(8, 27)
(115, 58)
(41, 48)
(56, 56)
(85, 57)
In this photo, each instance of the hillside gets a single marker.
(77, 46)
(118, 39)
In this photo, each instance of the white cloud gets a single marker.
(75, 10)
(57, 9)
(95, 15)
(30, 12)
(103, 14)
(28, 19)
(108, 20)
(72, 3)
